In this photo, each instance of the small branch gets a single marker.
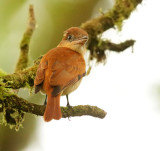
(99, 47)
(116, 47)
(82, 110)
(24, 45)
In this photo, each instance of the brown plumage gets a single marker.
(61, 70)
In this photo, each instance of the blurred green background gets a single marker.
(53, 17)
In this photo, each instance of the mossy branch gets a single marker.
(24, 45)
(9, 100)
(17, 80)
(99, 47)
(14, 107)
(113, 18)
(115, 47)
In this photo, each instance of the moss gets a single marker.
(20, 79)
(121, 11)
(113, 18)
(11, 116)
(2, 73)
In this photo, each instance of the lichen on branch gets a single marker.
(113, 18)
(17, 80)
(24, 45)
(14, 107)
(12, 101)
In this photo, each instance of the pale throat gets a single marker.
(76, 47)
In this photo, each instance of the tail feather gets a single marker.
(53, 110)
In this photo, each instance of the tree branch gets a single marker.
(24, 78)
(10, 104)
(100, 46)
(116, 47)
(115, 17)
(24, 45)
(15, 102)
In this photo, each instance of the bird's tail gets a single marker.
(53, 110)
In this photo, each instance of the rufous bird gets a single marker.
(61, 70)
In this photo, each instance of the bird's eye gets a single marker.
(69, 37)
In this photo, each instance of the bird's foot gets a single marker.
(68, 105)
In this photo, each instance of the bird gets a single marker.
(61, 70)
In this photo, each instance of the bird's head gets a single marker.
(74, 38)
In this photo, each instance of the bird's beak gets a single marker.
(82, 40)
(85, 37)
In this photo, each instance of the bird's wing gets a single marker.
(68, 68)
(40, 75)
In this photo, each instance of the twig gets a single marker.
(116, 47)
(99, 47)
(24, 45)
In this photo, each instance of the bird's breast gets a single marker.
(71, 88)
